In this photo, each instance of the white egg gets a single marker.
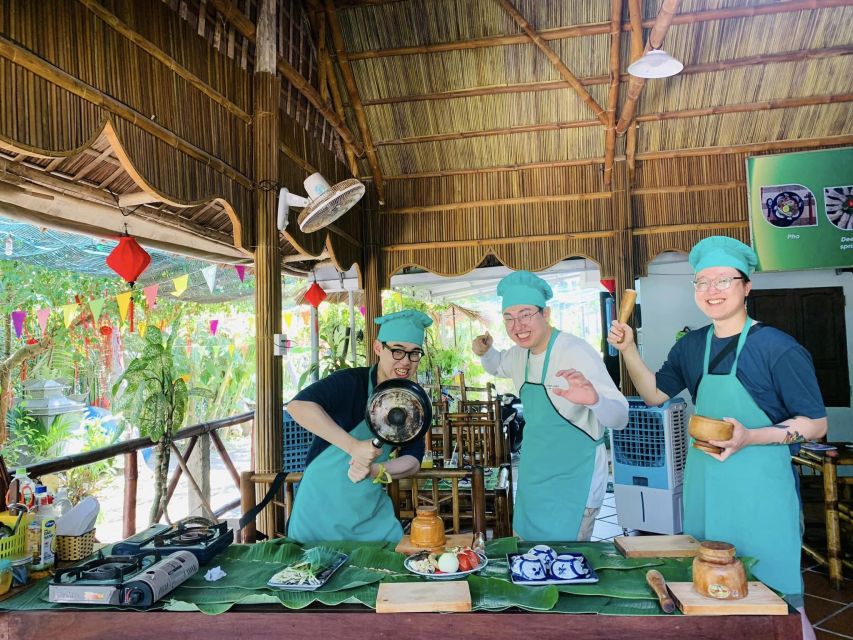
(448, 563)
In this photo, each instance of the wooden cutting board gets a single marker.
(453, 540)
(657, 546)
(423, 596)
(760, 601)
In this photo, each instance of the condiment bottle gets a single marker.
(717, 573)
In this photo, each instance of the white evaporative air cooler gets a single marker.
(648, 466)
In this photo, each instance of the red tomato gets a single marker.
(473, 558)
(464, 562)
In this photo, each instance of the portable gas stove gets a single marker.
(128, 581)
(201, 537)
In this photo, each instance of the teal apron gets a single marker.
(749, 500)
(557, 463)
(330, 506)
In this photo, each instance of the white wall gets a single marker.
(666, 296)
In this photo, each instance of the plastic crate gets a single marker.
(15, 545)
(297, 441)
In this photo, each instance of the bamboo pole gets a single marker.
(486, 242)
(335, 90)
(131, 475)
(678, 228)
(158, 54)
(555, 85)
(267, 89)
(176, 477)
(809, 143)
(236, 18)
(372, 288)
(561, 68)
(355, 100)
(631, 153)
(613, 92)
(20, 56)
(303, 164)
(600, 28)
(454, 206)
(499, 169)
(668, 9)
(688, 188)
(782, 103)
(193, 484)
(635, 19)
(463, 135)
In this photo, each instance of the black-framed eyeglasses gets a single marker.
(524, 318)
(720, 284)
(398, 354)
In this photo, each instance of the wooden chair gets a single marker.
(282, 504)
(453, 505)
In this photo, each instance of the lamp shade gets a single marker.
(128, 259)
(655, 64)
(315, 295)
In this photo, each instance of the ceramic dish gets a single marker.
(586, 576)
(446, 576)
(276, 583)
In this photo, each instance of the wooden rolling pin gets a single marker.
(658, 584)
(626, 306)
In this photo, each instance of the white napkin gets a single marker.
(214, 574)
(80, 519)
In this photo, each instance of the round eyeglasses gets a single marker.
(720, 284)
(399, 354)
(524, 318)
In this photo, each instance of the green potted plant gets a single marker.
(155, 399)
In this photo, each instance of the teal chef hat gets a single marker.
(722, 251)
(403, 326)
(523, 287)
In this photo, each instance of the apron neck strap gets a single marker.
(551, 341)
(747, 325)
(371, 375)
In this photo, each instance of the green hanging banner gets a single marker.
(801, 209)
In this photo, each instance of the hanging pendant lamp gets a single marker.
(656, 63)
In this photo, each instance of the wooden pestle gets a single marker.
(626, 305)
(658, 584)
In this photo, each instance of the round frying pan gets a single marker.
(398, 412)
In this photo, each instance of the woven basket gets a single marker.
(71, 548)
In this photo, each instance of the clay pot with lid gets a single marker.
(717, 573)
(704, 429)
(427, 530)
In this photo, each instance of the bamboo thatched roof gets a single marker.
(507, 128)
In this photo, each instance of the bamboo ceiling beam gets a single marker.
(360, 117)
(782, 103)
(808, 143)
(44, 69)
(668, 9)
(600, 28)
(158, 54)
(238, 20)
(456, 206)
(335, 90)
(463, 135)
(555, 85)
(127, 200)
(486, 242)
(499, 169)
(613, 91)
(94, 164)
(635, 17)
(691, 188)
(562, 69)
(676, 228)
(306, 166)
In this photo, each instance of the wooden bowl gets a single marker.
(704, 429)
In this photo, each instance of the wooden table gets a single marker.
(351, 622)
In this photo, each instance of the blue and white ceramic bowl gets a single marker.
(528, 567)
(544, 553)
(569, 566)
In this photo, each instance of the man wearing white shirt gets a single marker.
(569, 399)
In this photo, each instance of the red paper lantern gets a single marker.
(315, 295)
(128, 259)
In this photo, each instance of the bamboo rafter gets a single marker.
(561, 68)
(150, 48)
(613, 92)
(236, 17)
(454, 206)
(462, 135)
(352, 89)
(667, 10)
(810, 143)
(501, 169)
(490, 242)
(766, 105)
(556, 85)
(600, 28)
(20, 56)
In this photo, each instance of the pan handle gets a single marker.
(376, 443)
